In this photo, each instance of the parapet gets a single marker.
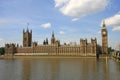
(11, 45)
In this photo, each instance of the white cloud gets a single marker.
(79, 8)
(75, 19)
(1, 39)
(2, 42)
(46, 25)
(117, 28)
(61, 32)
(113, 22)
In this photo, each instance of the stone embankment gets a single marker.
(116, 56)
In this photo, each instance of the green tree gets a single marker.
(2, 51)
(110, 50)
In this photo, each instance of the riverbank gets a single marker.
(35, 57)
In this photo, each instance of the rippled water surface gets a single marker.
(59, 69)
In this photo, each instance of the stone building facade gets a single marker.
(27, 38)
(55, 48)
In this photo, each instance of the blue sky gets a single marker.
(69, 19)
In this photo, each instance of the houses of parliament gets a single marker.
(55, 48)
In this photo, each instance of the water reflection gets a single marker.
(10, 69)
(103, 69)
(26, 69)
(60, 69)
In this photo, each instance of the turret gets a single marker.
(83, 42)
(10, 49)
(94, 42)
(34, 44)
(52, 39)
(46, 41)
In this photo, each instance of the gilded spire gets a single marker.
(23, 30)
(103, 25)
(27, 27)
(53, 34)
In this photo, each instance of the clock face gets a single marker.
(104, 32)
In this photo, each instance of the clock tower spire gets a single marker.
(104, 34)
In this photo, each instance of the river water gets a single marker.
(59, 69)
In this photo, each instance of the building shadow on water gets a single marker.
(103, 68)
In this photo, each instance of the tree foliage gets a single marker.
(2, 51)
(110, 50)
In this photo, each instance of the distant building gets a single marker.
(55, 48)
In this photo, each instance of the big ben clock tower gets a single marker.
(104, 34)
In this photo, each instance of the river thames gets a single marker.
(59, 69)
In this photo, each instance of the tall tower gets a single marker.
(27, 38)
(104, 34)
(53, 38)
